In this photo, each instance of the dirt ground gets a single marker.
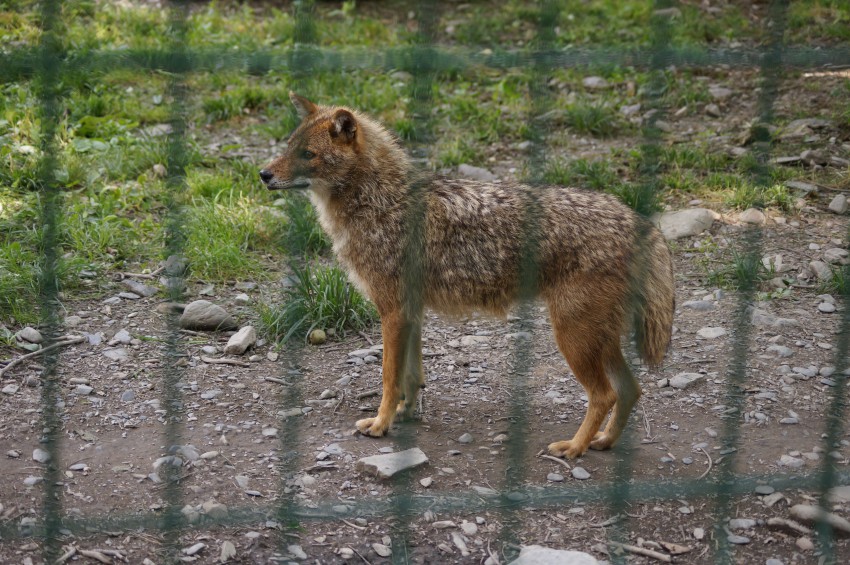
(113, 426)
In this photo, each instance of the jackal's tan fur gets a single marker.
(601, 268)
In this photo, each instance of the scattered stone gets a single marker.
(465, 438)
(838, 204)
(245, 285)
(719, 92)
(699, 305)
(241, 341)
(742, 523)
(381, 550)
(595, 83)
(317, 337)
(555, 477)
(242, 299)
(580, 473)
(10, 389)
(836, 256)
(426, 482)
(139, 288)
(765, 489)
(40, 455)
(752, 216)
(203, 315)
(686, 380)
(116, 354)
(30, 335)
(215, 510)
(385, 466)
(539, 555)
(780, 350)
(471, 340)
(228, 551)
(195, 549)
(83, 390)
(269, 432)
(31, 481)
(468, 528)
(685, 223)
(475, 173)
(713, 110)
(738, 540)
(791, 462)
(711, 333)
(296, 551)
(805, 544)
(129, 296)
(826, 307)
(699, 534)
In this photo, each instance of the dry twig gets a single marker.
(641, 551)
(557, 460)
(368, 393)
(61, 342)
(707, 471)
(224, 361)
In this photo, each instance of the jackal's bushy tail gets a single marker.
(655, 297)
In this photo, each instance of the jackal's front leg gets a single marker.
(392, 328)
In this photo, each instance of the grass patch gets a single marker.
(592, 118)
(747, 195)
(303, 236)
(322, 297)
(743, 270)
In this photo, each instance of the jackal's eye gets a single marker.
(308, 154)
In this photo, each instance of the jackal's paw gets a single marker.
(374, 427)
(601, 441)
(569, 449)
(404, 410)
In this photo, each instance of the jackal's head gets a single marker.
(321, 152)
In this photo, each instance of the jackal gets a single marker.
(601, 268)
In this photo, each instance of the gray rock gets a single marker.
(826, 307)
(742, 523)
(40, 455)
(719, 92)
(836, 256)
(737, 540)
(245, 285)
(139, 288)
(791, 462)
(764, 490)
(761, 317)
(685, 223)
(128, 396)
(30, 335)
(204, 315)
(116, 354)
(713, 110)
(122, 336)
(580, 473)
(555, 477)
(83, 390)
(780, 350)
(10, 389)
(821, 270)
(538, 555)
(242, 299)
(595, 83)
(699, 305)
(711, 333)
(73, 321)
(385, 466)
(752, 216)
(465, 438)
(240, 341)
(838, 204)
(129, 295)
(215, 510)
(476, 173)
(686, 380)
(472, 340)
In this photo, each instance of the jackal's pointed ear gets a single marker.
(344, 125)
(303, 106)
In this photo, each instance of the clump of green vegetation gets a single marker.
(744, 270)
(746, 195)
(594, 119)
(322, 297)
(303, 236)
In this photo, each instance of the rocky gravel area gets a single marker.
(238, 410)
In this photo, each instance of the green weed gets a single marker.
(322, 297)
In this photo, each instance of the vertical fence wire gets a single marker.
(175, 271)
(291, 398)
(48, 72)
(418, 63)
(748, 285)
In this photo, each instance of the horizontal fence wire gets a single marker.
(23, 63)
(47, 62)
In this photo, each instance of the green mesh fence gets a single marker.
(48, 62)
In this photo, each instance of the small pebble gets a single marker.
(555, 477)
(580, 473)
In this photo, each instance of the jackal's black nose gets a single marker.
(266, 175)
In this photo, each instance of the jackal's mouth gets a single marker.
(288, 185)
